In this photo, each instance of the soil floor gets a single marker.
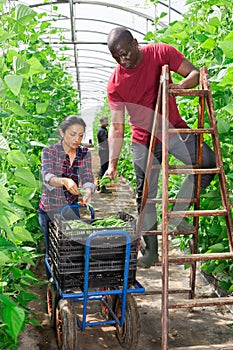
(198, 328)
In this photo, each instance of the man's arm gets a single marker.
(115, 141)
(190, 73)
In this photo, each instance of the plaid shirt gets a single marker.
(55, 162)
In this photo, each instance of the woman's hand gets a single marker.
(87, 195)
(71, 186)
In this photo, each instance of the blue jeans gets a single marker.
(44, 220)
(182, 147)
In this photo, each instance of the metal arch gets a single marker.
(73, 36)
(77, 43)
(101, 3)
(97, 58)
(114, 23)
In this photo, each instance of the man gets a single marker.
(102, 137)
(134, 86)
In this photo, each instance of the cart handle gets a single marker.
(79, 205)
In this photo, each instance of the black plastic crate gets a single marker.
(107, 255)
(75, 280)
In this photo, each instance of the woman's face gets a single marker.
(72, 137)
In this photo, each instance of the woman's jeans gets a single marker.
(44, 220)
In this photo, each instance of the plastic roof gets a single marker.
(85, 26)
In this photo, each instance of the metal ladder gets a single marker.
(205, 105)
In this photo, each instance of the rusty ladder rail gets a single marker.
(205, 103)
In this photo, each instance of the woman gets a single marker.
(65, 165)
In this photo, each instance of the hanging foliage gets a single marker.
(35, 95)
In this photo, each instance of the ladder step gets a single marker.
(171, 290)
(170, 232)
(180, 214)
(171, 200)
(201, 302)
(188, 258)
(194, 171)
(205, 347)
(191, 131)
(187, 92)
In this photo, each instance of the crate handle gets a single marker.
(78, 205)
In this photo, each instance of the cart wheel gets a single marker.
(53, 297)
(66, 325)
(111, 300)
(128, 335)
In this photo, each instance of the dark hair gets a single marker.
(102, 119)
(71, 120)
(118, 34)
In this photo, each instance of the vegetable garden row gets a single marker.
(36, 93)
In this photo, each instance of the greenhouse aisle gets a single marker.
(201, 327)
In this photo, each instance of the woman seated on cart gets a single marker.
(65, 165)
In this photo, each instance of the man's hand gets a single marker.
(111, 172)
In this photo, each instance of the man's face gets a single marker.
(125, 53)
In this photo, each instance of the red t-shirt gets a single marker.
(137, 89)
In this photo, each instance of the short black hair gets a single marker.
(103, 118)
(71, 120)
(119, 34)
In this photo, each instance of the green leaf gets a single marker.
(227, 47)
(14, 318)
(4, 36)
(4, 222)
(4, 144)
(223, 126)
(217, 248)
(229, 36)
(16, 157)
(219, 268)
(26, 192)
(21, 234)
(38, 144)
(25, 177)
(214, 21)
(227, 80)
(24, 14)
(35, 67)
(209, 44)
(15, 213)
(16, 109)
(20, 66)
(10, 55)
(4, 259)
(7, 301)
(23, 202)
(162, 15)
(14, 83)
(3, 178)
(12, 217)
(44, 25)
(229, 108)
(4, 192)
(2, 88)
(42, 107)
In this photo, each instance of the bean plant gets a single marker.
(35, 95)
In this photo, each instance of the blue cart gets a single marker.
(93, 265)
